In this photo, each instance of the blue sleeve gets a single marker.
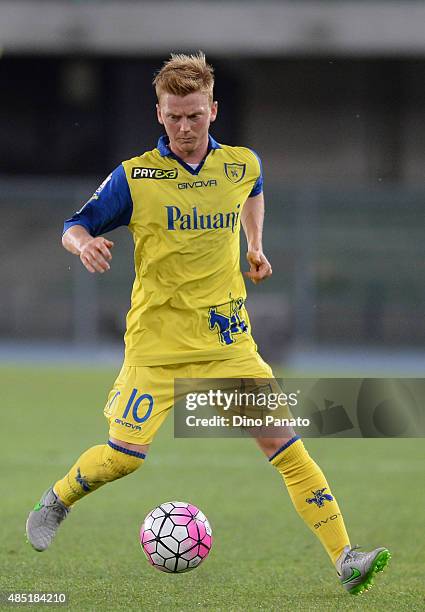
(109, 207)
(258, 187)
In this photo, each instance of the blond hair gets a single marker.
(185, 74)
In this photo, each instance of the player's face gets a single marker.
(186, 120)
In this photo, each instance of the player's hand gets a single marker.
(260, 267)
(96, 255)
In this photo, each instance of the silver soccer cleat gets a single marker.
(356, 570)
(43, 521)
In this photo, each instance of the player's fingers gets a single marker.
(100, 263)
(267, 270)
(264, 272)
(89, 262)
(260, 272)
(96, 260)
(104, 250)
(109, 243)
(251, 276)
(87, 265)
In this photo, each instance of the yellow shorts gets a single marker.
(142, 396)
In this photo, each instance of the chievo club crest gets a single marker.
(234, 172)
(319, 498)
(227, 325)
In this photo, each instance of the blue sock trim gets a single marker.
(126, 451)
(285, 446)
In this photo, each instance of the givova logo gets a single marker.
(153, 173)
(128, 424)
(332, 517)
(209, 183)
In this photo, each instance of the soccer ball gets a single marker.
(176, 537)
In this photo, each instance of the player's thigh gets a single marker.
(251, 365)
(245, 373)
(139, 402)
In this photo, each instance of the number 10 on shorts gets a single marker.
(135, 404)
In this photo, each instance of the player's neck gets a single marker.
(191, 157)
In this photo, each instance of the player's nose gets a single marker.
(184, 125)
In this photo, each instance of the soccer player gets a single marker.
(184, 203)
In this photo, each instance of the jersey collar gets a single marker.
(165, 151)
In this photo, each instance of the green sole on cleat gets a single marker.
(378, 565)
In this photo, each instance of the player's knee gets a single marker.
(119, 461)
(271, 446)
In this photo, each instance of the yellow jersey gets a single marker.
(188, 297)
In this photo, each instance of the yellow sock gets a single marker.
(311, 496)
(96, 466)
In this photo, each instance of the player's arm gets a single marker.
(94, 252)
(110, 207)
(252, 219)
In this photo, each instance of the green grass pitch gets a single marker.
(263, 557)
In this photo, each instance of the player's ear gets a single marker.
(158, 114)
(214, 111)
